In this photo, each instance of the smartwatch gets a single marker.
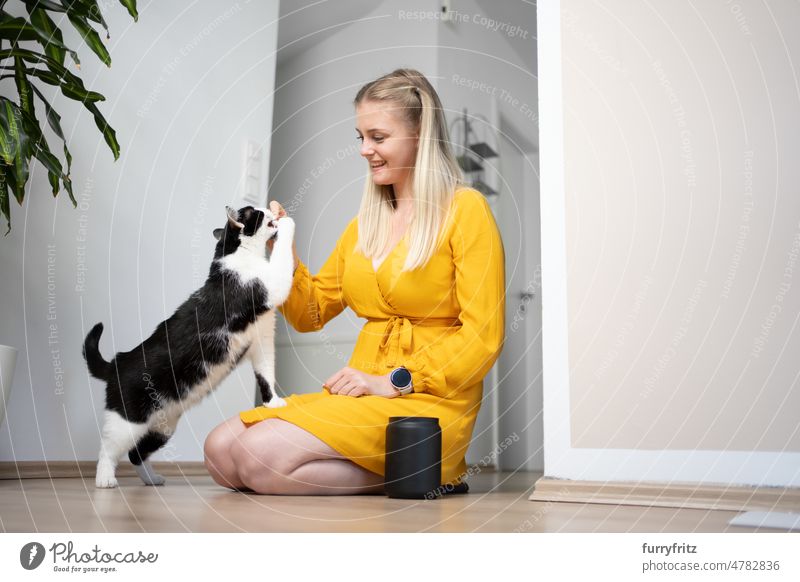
(401, 380)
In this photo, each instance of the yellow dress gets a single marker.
(444, 322)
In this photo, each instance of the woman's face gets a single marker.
(388, 145)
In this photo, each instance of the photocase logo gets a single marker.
(31, 555)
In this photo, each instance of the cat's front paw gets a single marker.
(105, 481)
(276, 402)
(286, 227)
(105, 475)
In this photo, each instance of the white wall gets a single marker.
(188, 86)
(671, 235)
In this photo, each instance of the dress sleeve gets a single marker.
(464, 358)
(316, 299)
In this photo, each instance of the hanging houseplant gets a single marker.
(21, 135)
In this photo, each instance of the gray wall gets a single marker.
(188, 86)
(487, 63)
(318, 174)
(682, 234)
(316, 170)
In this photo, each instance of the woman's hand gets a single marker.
(352, 382)
(276, 209)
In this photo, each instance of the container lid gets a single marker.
(413, 419)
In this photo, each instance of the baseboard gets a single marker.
(678, 495)
(78, 469)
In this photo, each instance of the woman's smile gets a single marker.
(383, 132)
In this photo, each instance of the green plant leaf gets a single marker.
(54, 120)
(41, 150)
(5, 209)
(63, 77)
(68, 89)
(86, 10)
(95, 14)
(12, 126)
(21, 135)
(41, 29)
(92, 39)
(42, 153)
(23, 87)
(54, 45)
(24, 138)
(7, 145)
(10, 179)
(54, 183)
(108, 132)
(131, 6)
(16, 29)
(51, 6)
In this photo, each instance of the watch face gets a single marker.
(401, 377)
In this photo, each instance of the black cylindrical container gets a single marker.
(413, 457)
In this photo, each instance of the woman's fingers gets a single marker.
(277, 209)
(339, 386)
(345, 383)
(352, 389)
(342, 390)
(336, 381)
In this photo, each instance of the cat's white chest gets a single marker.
(247, 266)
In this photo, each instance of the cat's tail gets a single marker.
(98, 367)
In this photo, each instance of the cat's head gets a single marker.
(249, 227)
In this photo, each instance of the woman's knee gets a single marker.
(217, 446)
(215, 454)
(259, 461)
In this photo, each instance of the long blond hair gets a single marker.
(435, 176)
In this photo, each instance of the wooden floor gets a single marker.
(497, 502)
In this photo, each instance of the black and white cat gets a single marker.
(232, 316)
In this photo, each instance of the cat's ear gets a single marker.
(233, 218)
(218, 233)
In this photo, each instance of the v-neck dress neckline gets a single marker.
(387, 257)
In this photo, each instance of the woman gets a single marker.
(423, 262)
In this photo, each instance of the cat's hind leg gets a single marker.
(119, 435)
(140, 453)
(158, 436)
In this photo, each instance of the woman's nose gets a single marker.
(367, 149)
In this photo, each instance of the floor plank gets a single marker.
(497, 502)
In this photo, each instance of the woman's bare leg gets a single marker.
(217, 451)
(278, 457)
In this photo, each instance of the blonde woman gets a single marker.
(423, 263)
